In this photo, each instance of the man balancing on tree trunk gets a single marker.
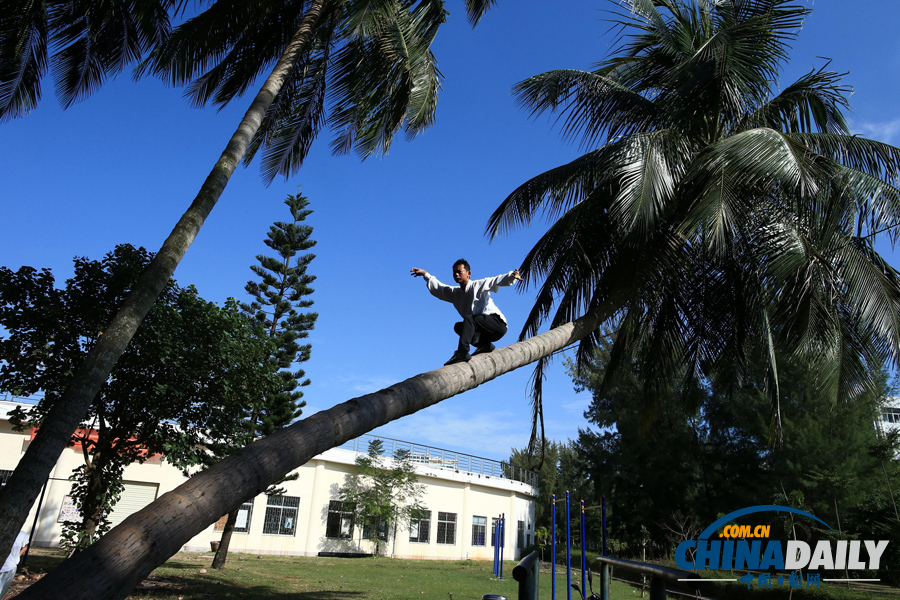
(482, 323)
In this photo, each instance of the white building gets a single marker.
(890, 417)
(464, 494)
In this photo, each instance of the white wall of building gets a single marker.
(303, 526)
(890, 417)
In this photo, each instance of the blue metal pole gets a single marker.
(568, 549)
(495, 533)
(499, 542)
(583, 554)
(502, 540)
(603, 510)
(553, 547)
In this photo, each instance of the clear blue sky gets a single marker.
(123, 165)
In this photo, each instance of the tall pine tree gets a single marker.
(280, 297)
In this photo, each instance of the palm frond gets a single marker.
(295, 118)
(198, 44)
(869, 156)
(24, 37)
(554, 192)
(476, 9)
(385, 79)
(647, 168)
(811, 103)
(871, 291)
(95, 40)
(248, 54)
(591, 105)
(90, 41)
(565, 265)
(873, 203)
(538, 375)
(843, 364)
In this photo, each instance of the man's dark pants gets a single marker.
(489, 328)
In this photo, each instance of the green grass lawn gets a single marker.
(301, 578)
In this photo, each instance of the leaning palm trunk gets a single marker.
(20, 492)
(126, 555)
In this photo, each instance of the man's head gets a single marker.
(461, 272)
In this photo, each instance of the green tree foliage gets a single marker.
(280, 297)
(719, 215)
(385, 493)
(886, 450)
(697, 460)
(191, 367)
(563, 470)
(547, 469)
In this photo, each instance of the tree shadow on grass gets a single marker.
(166, 586)
(248, 592)
(170, 585)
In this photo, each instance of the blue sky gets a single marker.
(123, 165)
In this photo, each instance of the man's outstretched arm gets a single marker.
(439, 290)
(506, 279)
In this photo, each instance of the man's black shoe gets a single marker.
(484, 349)
(458, 357)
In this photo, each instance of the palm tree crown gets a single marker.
(716, 222)
(369, 62)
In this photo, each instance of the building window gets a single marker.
(242, 525)
(379, 526)
(446, 531)
(420, 528)
(4, 476)
(340, 519)
(479, 525)
(520, 537)
(281, 515)
(891, 415)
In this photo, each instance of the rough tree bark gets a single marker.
(23, 486)
(122, 558)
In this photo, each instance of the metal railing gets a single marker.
(32, 399)
(660, 577)
(526, 573)
(445, 459)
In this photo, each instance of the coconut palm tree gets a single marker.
(741, 219)
(376, 56)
